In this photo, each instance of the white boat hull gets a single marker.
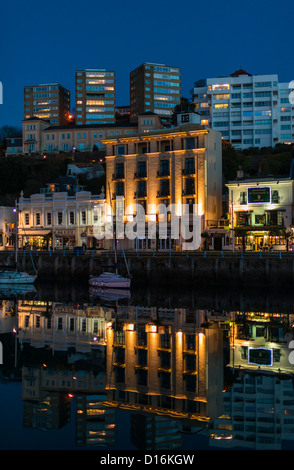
(15, 277)
(106, 293)
(110, 280)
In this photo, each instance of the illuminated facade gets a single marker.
(95, 96)
(169, 364)
(63, 326)
(39, 136)
(154, 88)
(260, 341)
(249, 110)
(60, 221)
(49, 101)
(262, 211)
(7, 227)
(180, 165)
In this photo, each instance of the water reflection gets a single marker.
(174, 374)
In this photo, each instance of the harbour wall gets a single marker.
(164, 268)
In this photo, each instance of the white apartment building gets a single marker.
(249, 110)
(60, 221)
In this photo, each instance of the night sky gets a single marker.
(44, 42)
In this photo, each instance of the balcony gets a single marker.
(163, 193)
(188, 172)
(139, 175)
(140, 194)
(189, 191)
(163, 174)
(118, 177)
(118, 194)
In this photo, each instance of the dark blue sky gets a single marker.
(43, 42)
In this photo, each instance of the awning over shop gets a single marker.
(33, 233)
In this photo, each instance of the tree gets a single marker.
(185, 106)
(9, 131)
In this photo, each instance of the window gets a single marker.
(119, 170)
(27, 219)
(263, 84)
(71, 218)
(120, 150)
(49, 218)
(142, 188)
(59, 218)
(189, 166)
(83, 217)
(38, 218)
(120, 188)
(275, 197)
(190, 143)
(243, 197)
(165, 340)
(164, 168)
(141, 170)
(72, 324)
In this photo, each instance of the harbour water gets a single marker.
(164, 369)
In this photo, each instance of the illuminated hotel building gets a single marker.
(95, 96)
(49, 102)
(157, 166)
(249, 110)
(155, 88)
(170, 366)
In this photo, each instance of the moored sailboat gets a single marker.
(112, 280)
(11, 274)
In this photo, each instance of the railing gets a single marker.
(118, 176)
(140, 174)
(238, 254)
(163, 174)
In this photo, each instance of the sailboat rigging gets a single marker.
(13, 275)
(109, 279)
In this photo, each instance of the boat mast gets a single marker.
(114, 232)
(16, 231)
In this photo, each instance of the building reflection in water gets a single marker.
(225, 375)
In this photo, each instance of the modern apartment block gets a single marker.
(95, 96)
(48, 101)
(249, 110)
(158, 167)
(155, 88)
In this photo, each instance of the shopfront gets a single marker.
(35, 239)
(261, 213)
(64, 239)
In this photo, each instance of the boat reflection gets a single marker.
(174, 372)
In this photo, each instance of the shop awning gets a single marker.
(33, 233)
